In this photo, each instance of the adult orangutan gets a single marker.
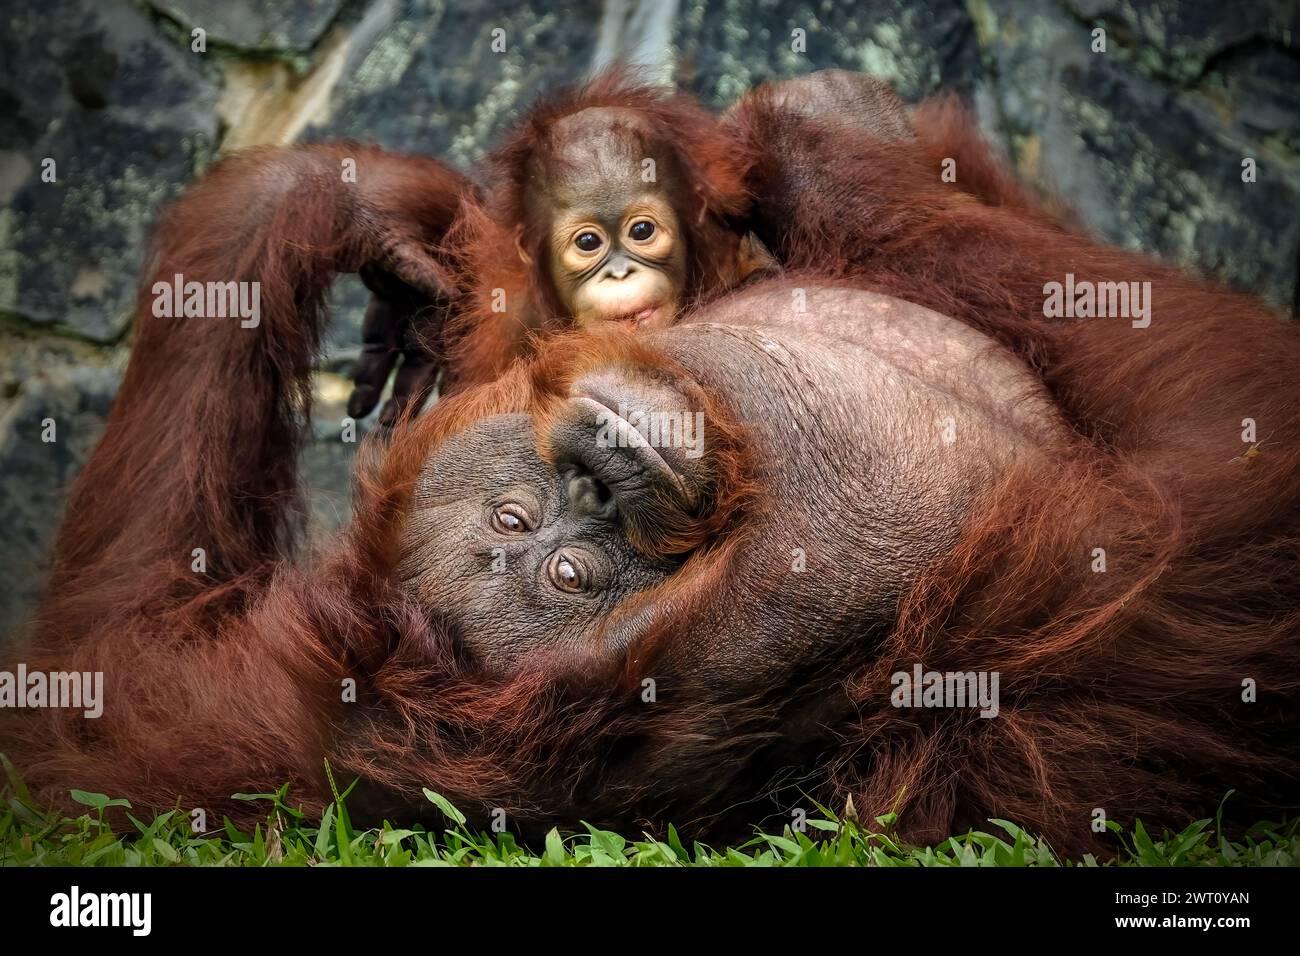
(541, 619)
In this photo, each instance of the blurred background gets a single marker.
(1146, 140)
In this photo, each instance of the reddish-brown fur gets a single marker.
(1120, 690)
(1126, 686)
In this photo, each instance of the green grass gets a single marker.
(29, 837)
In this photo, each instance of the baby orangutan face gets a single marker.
(615, 249)
(619, 258)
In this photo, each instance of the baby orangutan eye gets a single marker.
(642, 230)
(566, 573)
(587, 241)
(511, 519)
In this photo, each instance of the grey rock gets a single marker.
(127, 116)
(255, 24)
(1256, 87)
(425, 77)
(724, 48)
(348, 300)
(1179, 39)
(326, 469)
(1147, 165)
(638, 33)
(34, 473)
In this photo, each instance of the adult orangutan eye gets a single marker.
(567, 573)
(642, 230)
(587, 241)
(511, 519)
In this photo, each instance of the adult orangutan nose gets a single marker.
(588, 495)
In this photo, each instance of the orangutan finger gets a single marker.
(411, 386)
(380, 334)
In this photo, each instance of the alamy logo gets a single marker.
(637, 428)
(922, 688)
(208, 300)
(80, 690)
(75, 908)
(1083, 299)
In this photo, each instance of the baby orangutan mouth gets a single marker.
(649, 317)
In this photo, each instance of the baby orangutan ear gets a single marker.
(519, 247)
(704, 204)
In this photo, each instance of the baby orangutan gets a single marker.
(614, 202)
